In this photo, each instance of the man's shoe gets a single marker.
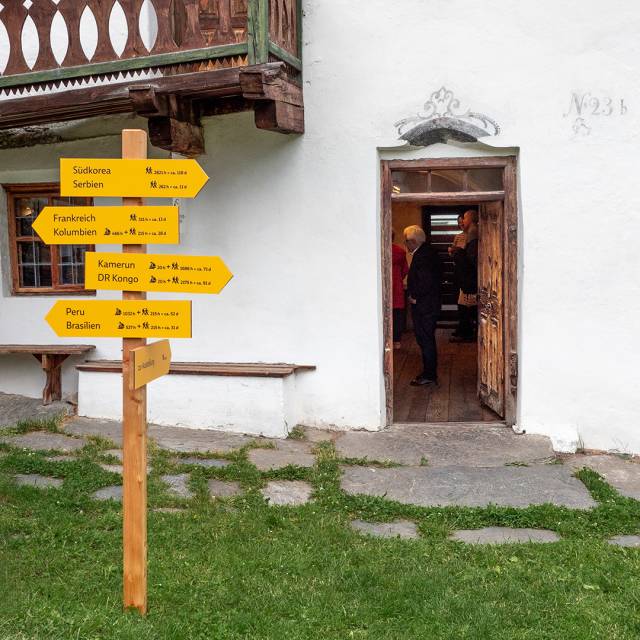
(421, 381)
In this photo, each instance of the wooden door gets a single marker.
(491, 339)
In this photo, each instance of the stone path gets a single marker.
(632, 542)
(44, 441)
(36, 480)
(457, 464)
(285, 452)
(398, 529)
(445, 446)
(109, 493)
(223, 489)
(15, 408)
(178, 485)
(503, 535)
(208, 463)
(623, 475)
(287, 492)
(469, 486)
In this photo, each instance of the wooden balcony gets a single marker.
(172, 61)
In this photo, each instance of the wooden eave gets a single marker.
(174, 104)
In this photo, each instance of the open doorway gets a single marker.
(477, 380)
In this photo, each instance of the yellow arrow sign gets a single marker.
(155, 272)
(108, 225)
(150, 362)
(121, 318)
(131, 178)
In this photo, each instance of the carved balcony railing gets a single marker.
(48, 47)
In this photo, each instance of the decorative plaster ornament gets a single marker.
(442, 121)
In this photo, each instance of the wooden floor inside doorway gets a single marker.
(454, 400)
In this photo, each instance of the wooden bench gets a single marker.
(250, 369)
(51, 357)
(253, 398)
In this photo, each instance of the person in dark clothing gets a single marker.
(466, 274)
(424, 289)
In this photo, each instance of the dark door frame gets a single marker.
(510, 266)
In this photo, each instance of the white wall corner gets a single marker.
(565, 438)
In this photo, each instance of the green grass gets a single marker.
(239, 569)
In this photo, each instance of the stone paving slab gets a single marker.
(208, 463)
(470, 487)
(14, 408)
(113, 468)
(444, 446)
(632, 542)
(109, 429)
(109, 493)
(198, 440)
(44, 440)
(59, 458)
(36, 480)
(623, 475)
(268, 459)
(399, 529)
(320, 435)
(223, 489)
(178, 485)
(504, 535)
(287, 492)
(170, 438)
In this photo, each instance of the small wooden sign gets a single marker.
(150, 362)
(155, 272)
(108, 225)
(121, 318)
(139, 178)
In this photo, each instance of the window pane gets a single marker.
(409, 181)
(71, 264)
(485, 179)
(34, 264)
(35, 275)
(26, 210)
(34, 253)
(59, 201)
(447, 180)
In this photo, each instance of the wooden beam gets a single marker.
(134, 432)
(181, 137)
(278, 101)
(116, 98)
(173, 122)
(448, 163)
(258, 31)
(446, 197)
(280, 117)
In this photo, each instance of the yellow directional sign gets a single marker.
(131, 178)
(108, 225)
(121, 318)
(155, 272)
(150, 362)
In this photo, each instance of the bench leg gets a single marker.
(51, 365)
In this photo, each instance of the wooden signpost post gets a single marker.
(134, 318)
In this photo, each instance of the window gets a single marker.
(448, 180)
(38, 268)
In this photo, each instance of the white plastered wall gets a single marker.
(297, 218)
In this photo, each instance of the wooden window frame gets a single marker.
(509, 164)
(39, 189)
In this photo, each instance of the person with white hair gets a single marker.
(424, 288)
